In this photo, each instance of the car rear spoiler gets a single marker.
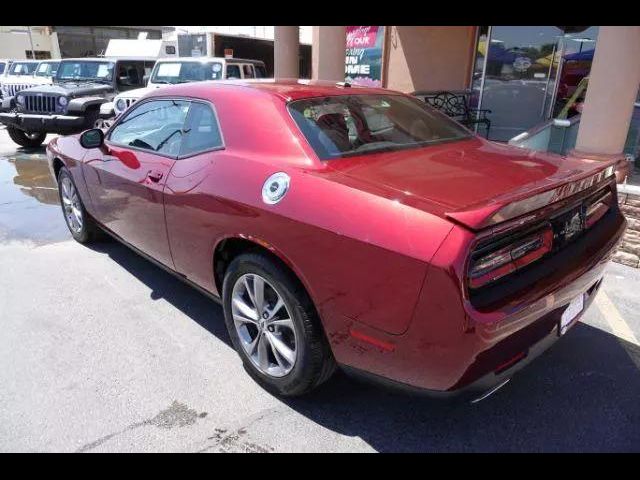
(498, 211)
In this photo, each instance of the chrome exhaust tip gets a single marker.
(491, 391)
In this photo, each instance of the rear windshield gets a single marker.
(348, 125)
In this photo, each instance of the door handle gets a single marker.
(154, 175)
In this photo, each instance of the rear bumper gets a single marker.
(548, 333)
(452, 350)
(61, 124)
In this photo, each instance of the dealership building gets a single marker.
(523, 75)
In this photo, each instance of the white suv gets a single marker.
(170, 71)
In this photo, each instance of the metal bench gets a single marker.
(456, 106)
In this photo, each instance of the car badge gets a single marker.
(573, 227)
(275, 188)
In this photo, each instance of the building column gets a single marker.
(286, 52)
(613, 87)
(328, 53)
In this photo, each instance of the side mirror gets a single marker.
(93, 138)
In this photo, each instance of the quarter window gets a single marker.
(203, 131)
(156, 126)
(261, 72)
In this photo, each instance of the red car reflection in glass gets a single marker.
(349, 226)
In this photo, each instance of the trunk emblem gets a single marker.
(573, 226)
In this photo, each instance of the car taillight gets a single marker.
(596, 208)
(489, 264)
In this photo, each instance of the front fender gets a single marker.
(107, 110)
(80, 105)
(8, 103)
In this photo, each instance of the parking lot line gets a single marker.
(615, 320)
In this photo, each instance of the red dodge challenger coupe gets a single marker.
(349, 226)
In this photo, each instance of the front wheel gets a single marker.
(26, 139)
(274, 326)
(81, 225)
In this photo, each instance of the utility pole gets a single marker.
(33, 52)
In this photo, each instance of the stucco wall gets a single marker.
(15, 45)
(429, 58)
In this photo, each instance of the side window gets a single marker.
(233, 71)
(203, 130)
(248, 71)
(261, 72)
(156, 125)
(129, 75)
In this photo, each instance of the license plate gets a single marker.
(571, 312)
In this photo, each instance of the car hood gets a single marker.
(468, 181)
(137, 92)
(19, 79)
(74, 89)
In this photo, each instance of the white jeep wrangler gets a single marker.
(23, 74)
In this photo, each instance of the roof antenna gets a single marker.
(344, 84)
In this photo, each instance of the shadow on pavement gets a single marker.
(203, 310)
(581, 395)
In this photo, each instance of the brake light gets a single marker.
(495, 264)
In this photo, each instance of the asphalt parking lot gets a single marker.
(102, 351)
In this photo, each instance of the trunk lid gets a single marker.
(474, 182)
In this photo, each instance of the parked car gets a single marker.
(72, 104)
(172, 71)
(18, 77)
(5, 63)
(349, 226)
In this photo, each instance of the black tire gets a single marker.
(314, 363)
(89, 230)
(91, 117)
(26, 139)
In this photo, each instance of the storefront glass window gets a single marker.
(525, 74)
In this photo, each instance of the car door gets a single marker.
(127, 176)
(189, 209)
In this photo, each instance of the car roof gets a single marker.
(108, 59)
(286, 89)
(208, 59)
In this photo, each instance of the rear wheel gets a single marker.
(274, 326)
(26, 139)
(81, 225)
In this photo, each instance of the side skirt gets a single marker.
(167, 269)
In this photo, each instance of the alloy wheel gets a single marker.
(71, 205)
(32, 135)
(264, 325)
